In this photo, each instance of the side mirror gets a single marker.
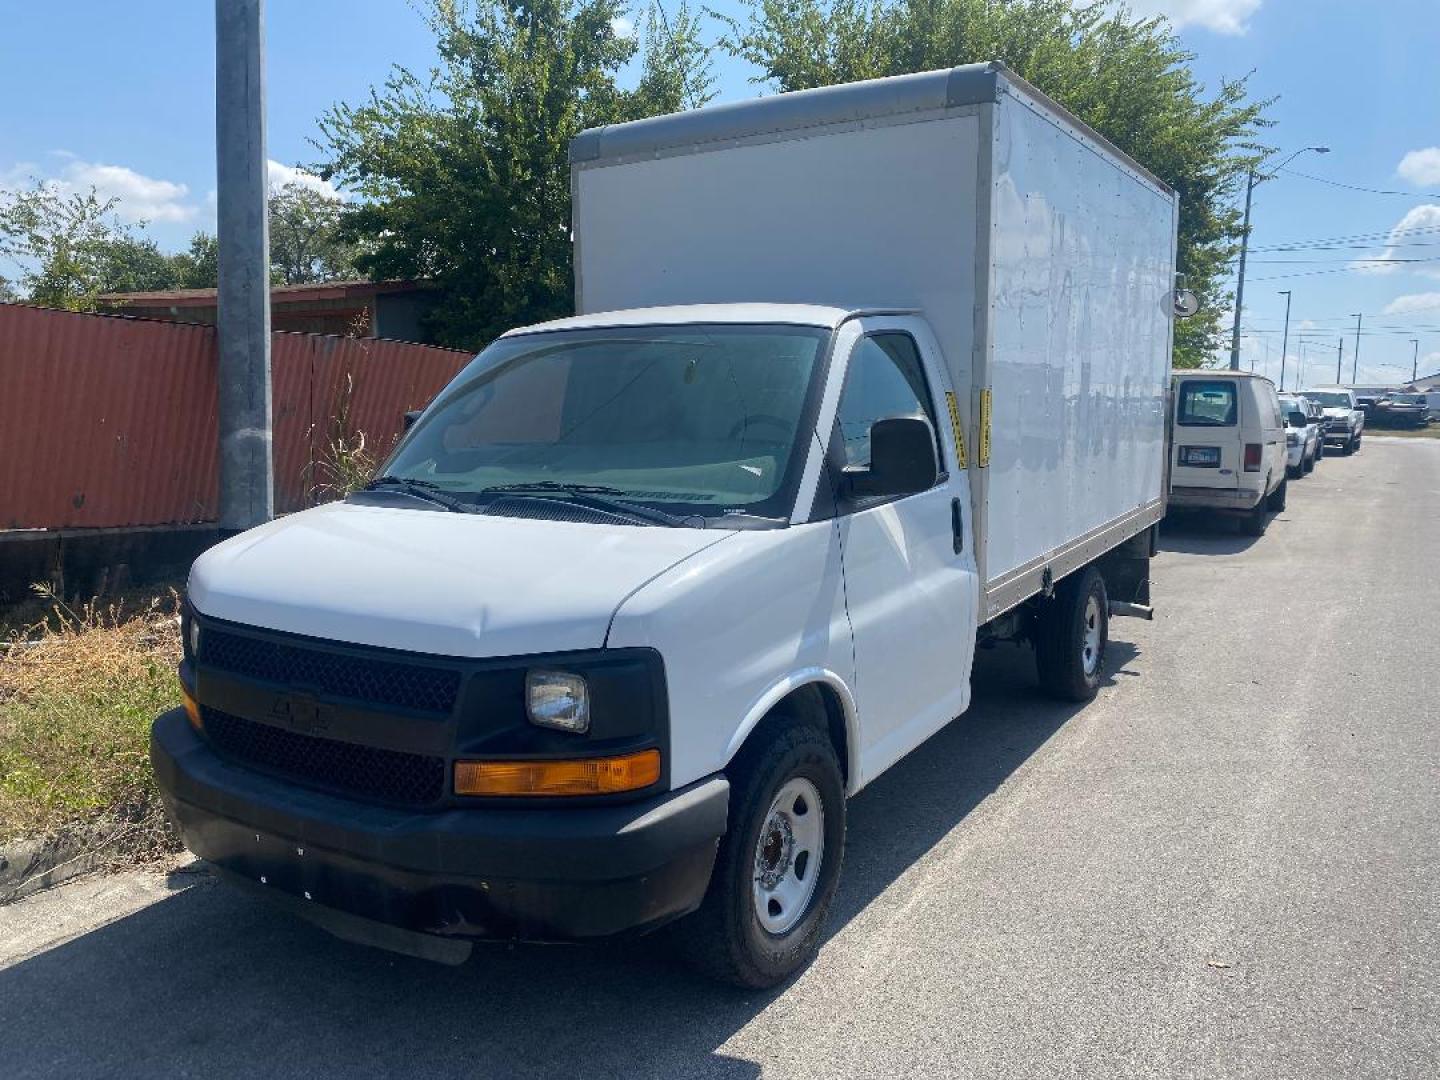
(902, 460)
(1298, 419)
(411, 417)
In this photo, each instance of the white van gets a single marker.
(646, 593)
(1229, 446)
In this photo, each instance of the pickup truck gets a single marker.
(861, 378)
(1344, 418)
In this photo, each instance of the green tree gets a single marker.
(73, 248)
(198, 267)
(463, 175)
(64, 244)
(1127, 77)
(305, 240)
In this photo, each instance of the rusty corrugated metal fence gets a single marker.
(110, 421)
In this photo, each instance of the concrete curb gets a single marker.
(30, 866)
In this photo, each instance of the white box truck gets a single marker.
(862, 377)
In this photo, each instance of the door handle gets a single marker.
(957, 525)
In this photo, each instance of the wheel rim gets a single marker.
(788, 854)
(1090, 650)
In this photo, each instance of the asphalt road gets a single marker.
(1227, 865)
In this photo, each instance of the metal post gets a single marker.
(1240, 282)
(1285, 341)
(1355, 363)
(247, 494)
(1339, 360)
(1415, 363)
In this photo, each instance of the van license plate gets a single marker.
(1200, 457)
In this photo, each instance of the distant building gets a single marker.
(379, 309)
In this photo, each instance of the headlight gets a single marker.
(557, 699)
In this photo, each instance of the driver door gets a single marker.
(911, 588)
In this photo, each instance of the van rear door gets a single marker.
(1207, 447)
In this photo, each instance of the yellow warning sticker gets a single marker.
(983, 453)
(961, 458)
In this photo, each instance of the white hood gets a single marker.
(427, 581)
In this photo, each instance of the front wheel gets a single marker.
(778, 864)
(1071, 633)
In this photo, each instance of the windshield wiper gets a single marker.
(421, 489)
(597, 496)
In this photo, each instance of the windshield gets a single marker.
(1329, 400)
(1408, 399)
(704, 419)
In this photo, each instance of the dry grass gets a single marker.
(78, 690)
(1431, 431)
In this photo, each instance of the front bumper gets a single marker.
(1204, 498)
(555, 874)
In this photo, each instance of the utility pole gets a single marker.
(1285, 341)
(1355, 363)
(1415, 363)
(247, 485)
(1339, 361)
(1240, 281)
(1251, 179)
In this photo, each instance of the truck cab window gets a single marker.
(886, 378)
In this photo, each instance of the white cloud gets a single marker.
(1422, 221)
(1421, 167)
(280, 175)
(141, 197)
(1413, 302)
(1221, 16)
(622, 27)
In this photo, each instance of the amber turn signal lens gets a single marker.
(582, 776)
(192, 707)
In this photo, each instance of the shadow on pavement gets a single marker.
(1196, 533)
(209, 981)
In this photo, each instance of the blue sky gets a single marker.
(121, 95)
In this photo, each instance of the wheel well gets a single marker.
(815, 704)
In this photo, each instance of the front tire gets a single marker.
(779, 862)
(1071, 633)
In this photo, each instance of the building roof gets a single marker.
(293, 294)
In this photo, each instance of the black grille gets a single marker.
(364, 678)
(364, 771)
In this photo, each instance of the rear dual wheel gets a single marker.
(1072, 631)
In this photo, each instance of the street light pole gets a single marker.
(1251, 179)
(1285, 340)
(1355, 363)
(1339, 361)
(1415, 363)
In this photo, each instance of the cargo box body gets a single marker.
(1042, 257)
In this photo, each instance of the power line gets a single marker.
(1366, 190)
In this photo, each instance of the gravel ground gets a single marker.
(1227, 865)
